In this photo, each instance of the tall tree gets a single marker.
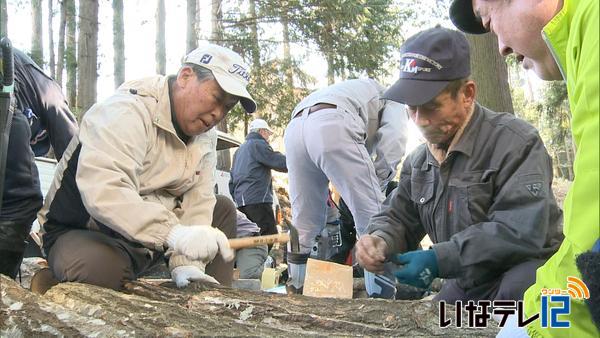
(71, 51)
(489, 71)
(287, 55)
(374, 27)
(37, 40)
(87, 55)
(272, 79)
(161, 58)
(51, 61)
(60, 49)
(3, 19)
(118, 42)
(192, 26)
(223, 157)
(216, 19)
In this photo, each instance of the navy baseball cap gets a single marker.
(463, 17)
(429, 60)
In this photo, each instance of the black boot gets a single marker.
(10, 262)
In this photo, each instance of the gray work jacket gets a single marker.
(488, 207)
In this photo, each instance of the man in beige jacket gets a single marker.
(138, 181)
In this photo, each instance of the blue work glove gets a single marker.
(420, 268)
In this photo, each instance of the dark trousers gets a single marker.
(12, 245)
(22, 197)
(262, 215)
(510, 286)
(96, 258)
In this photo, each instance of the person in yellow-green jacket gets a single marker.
(557, 39)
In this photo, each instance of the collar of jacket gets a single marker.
(254, 136)
(156, 87)
(556, 34)
(466, 140)
(162, 115)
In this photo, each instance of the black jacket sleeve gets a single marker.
(43, 96)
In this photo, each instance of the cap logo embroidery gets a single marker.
(412, 56)
(410, 66)
(241, 71)
(206, 58)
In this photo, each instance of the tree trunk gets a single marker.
(118, 42)
(3, 19)
(216, 12)
(330, 74)
(255, 47)
(51, 60)
(224, 156)
(87, 55)
(569, 164)
(144, 309)
(60, 49)
(287, 55)
(71, 52)
(161, 58)
(488, 69)
(37, 38)
(192, 26)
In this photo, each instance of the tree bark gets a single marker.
(161, 58)
(118, 42)
(51, 60)
(255, 47)
(217, 22)
(3, 19)
(73, 309)
(287, 55)
(37, 38)
(488, 69)
(87, 55)
(192, 26)
(330, 74)
(60, 49)
(224, 156)
(71, 52)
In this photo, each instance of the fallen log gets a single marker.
(144, 309)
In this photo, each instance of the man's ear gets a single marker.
(184, 75)
(469, 92)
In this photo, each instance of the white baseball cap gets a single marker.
(259, 124)
(229, 70)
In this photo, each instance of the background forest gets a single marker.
(293, 46)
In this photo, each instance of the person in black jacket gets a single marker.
(250, 184)
(41, 120)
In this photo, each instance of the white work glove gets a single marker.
(183, 275)
(199, 242)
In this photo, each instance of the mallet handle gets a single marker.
(250, 242)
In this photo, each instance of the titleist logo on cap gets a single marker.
(241, 71)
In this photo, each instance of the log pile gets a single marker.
(145, 309)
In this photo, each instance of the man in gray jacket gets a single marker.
(346, 134)
(480, 186)
(250, 184)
